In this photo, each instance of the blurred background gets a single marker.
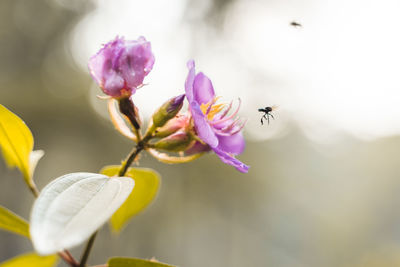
(323, 187)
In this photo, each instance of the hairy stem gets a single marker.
(131, 158)
(87, 250)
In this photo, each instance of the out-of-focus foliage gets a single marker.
(31, 260)
(131, 262)
(147, 183)
(72, 207)
(10, 221)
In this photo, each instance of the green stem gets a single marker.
(87, 250)
(138, 134)
(131, 158)
(150, 131)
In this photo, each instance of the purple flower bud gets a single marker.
(175, 104)
(168, 111)
(120, 67)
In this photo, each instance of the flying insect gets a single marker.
(267, 113)
(295, 24)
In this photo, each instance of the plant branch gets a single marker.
(67, 257)
(86, 252)
(73, 261)
(131, 158)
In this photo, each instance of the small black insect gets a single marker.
(267, 113)
(295, 24)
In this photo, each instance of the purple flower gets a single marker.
(120, 66)
(213, 125)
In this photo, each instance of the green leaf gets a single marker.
(16, 142)
(72, 207)
(132, 262)
(9, 221)
(31, 260)
(147, 183)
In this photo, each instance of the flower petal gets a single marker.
(234, 144)
(197, 147)
(190, 80)
(228, 159)
(96, 64)
(136, 62)
(204, 130)
(102, 60)
(203, 90)
(113, 83)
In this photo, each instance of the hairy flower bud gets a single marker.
(176, 142)
(167, 111)
(180, 121)
(120, 67)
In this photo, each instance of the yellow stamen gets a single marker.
(204, 107)
(215, 109)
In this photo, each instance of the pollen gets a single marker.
(211, 109)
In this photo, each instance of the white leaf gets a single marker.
(72, 207)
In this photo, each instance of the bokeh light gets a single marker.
(323, 187)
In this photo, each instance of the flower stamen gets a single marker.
(230, 126)
(229, 117)
(226, 111)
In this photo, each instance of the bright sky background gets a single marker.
(339, 72)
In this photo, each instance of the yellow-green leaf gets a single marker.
(9, 221)
(132, 262)
(147, 183)
(16, 142)
(31, 260)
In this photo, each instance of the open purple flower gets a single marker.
(218, 130)
(120, 67)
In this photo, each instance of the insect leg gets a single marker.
(266, 117)
(272, 116)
